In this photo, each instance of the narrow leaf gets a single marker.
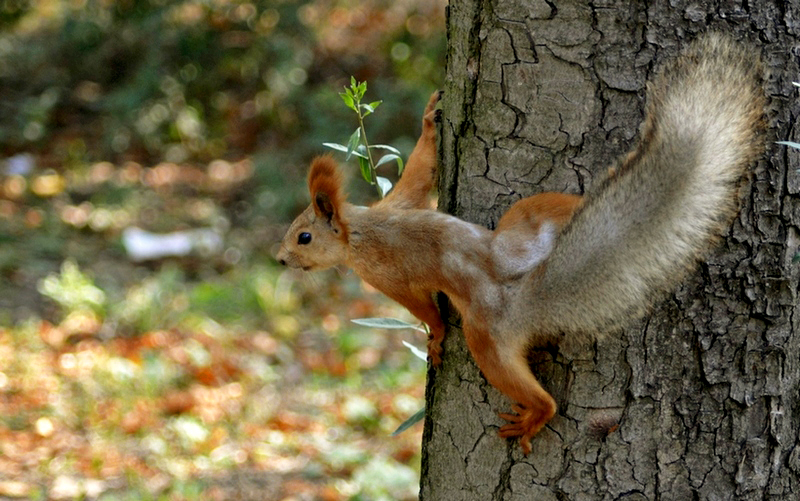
(385, 147)
(416, 351)
(368, 108)
(796, 84)
(384, 184)
(343, 149)
(408, 423)
(385, 323)
(790, 143)
(366, 173)
(336, 146)
(386, 159)
(374, 105)
(353, 142)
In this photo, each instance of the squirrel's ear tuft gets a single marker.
(325, 185)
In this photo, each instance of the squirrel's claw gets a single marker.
(431, 114)
(524, 424)
(435, 351)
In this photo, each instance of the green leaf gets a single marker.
(353, 83)
(420, 354)
(390, 157)
(386, 159)
(386, 323)
(343, 149)
(796, 257)
(366, 172)
(336, 146)
(362, 89)
(353, 142)
(374, 105)
(370, 108)
(347, 97)
(385, 147)
(408, 423)
(384, 185)
(790, 143)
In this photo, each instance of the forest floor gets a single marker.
(211, 375)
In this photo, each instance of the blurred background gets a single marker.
(151, 155)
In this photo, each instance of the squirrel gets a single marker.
(557, 265)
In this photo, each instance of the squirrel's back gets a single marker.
(646, 225)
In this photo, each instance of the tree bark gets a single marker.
(543, 96)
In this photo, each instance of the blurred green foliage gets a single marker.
(195, 80)
(173, 115)
(72, 290)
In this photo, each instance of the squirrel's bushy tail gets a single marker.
(647, 225)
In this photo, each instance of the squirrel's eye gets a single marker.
(304, 238)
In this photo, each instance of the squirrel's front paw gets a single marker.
(435, 351)
(525, 424)
(431, 113)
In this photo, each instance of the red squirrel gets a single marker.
(558, 265)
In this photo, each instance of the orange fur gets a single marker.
(325, 177)
(531, 211)
(326, 188)
(525, 234)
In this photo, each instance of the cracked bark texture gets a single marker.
(542, 96)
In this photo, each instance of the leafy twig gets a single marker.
(358, 145)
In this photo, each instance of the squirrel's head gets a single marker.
(317, 239)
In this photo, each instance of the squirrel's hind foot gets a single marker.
(525, 424)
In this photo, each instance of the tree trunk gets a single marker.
(542, 96)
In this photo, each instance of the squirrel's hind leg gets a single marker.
(506, 368)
